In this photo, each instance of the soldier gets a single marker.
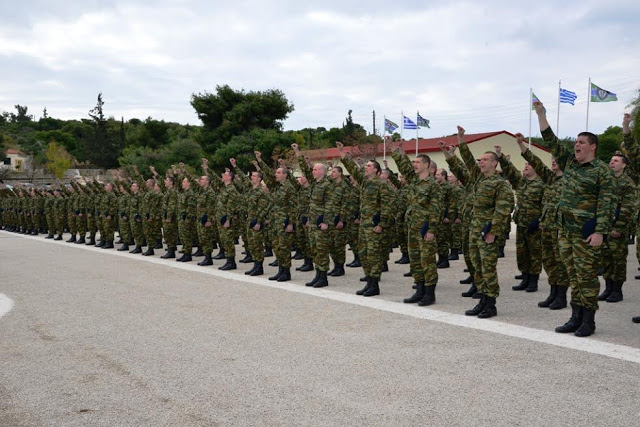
(615, 249)
(109, 209)
(339, 228)
(443, 227)
(455, 212)
(205, 204)
(226, 206)
(257, 208)
(490, 212)
(135, 217)
(375, 215)
(424, 217)
(186, 219)
(170, 217)
(320, 213)
(558, 280)
(529, 190)
(586, 213)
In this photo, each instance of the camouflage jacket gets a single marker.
(528, 192)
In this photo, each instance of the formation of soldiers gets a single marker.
(573, 218)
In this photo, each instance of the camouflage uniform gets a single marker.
(227, 204)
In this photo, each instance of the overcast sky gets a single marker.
(468, 63)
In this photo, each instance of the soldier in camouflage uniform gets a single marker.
(558, 279)
(529, 190)
(402, 231)
(135, 217)
(424, 217)
(375, 215)
(170, 217)
(443, 228)
(152, 217)
(186, 219)
(109, 210)
(455, 212)
(226, 206)
(491, 209)
(205, 205)
(339, 228)
(320, 214)
(257, 204)
(586, 211)
(354, 227)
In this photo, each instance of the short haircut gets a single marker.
(258, 173)
(591, 138)
(376, 166)
(494, 156)
(624, 159)
(285, 170)
(339, 169)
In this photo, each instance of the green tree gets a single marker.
(100, 148)
(58, 159)
(608, 142)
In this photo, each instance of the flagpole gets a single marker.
(588, 102)
(530, 105)
(417, 130)
(384, 139)
(558, 119)
(402, 125)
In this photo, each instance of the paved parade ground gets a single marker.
(92, 337)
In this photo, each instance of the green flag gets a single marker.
(601, 95)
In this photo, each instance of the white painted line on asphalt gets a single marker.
(589, 345)
(6, 304)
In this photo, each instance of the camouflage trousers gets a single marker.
(353, 235)
(387, 241)
(528, 250)
(81, 224)
(581, 261)
(456, 235)
(465, 248)
(187, 229)
(136, 230)
(255, 244)
(91, 224)
(205, 237)
(108, 226)
(319, 241)
(71, 220)
(422, 255)
(51, 223)
(226, 240)
(282, 245)
(402, 234)
(551, 258)
(614, 258)
(370, 252)
(302, 241)
(124, 228)
(60, 219)
(170, 230)
(443, 231)
(152, 230)
(338, 245)
(485, 259)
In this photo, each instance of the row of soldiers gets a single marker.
(426, 211)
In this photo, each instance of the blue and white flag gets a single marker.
(389, 126)
(567, 96)
(422, 122)
(407, 123)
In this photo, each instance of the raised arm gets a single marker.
(467, 157)
(561, 153)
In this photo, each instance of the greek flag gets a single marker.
(422, 122)
(408, 124)
(389, 126)
(567, 96)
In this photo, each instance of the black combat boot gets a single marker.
(575, 321)
(314, 280)
(588, 326)
(298, 255)
(467, 281)
(49, 236)
(635, 319)
(429, 296)
(453, 256)
(356, 261)
(489, 309)
(58, 237)
(268, 252)
(81, 240)
(551, 298)
(322, 280)
(220, 254)
(108, 244)
(561, 298)
(407, 274)
(229, 265)
(374, 287)
(247, 259)
(366, 287)
(206, 261)
(198, 252)
(443, 261)
(248, 272)
(519, 276)
(385, 267)
(478, 308)
(72, 239)
(523, 284)
(533, 283)
(124, 247)
(337, 271)
(278, 274)
(158, 244)
(92, 240)
(616, 291)
(257, 269)
(100, 243)
(307, 266)
(286, 275)
(136, 250)
(171, 253)
(471, 292)
(404, 259)
(607, 290)
(149, 252)
(420, 292)
(186, 258)
(501, 252)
